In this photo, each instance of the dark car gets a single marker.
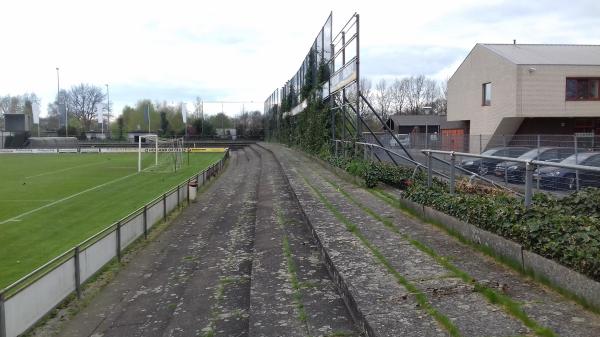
(558, 178)
(483, 166)
(514, 172)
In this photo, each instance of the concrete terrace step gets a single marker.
(224, 267)
(455, 280)
(291, 294)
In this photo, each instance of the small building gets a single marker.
(503, 90)
(430, 131)
(226, 133)
(95, 135)
(133, 136)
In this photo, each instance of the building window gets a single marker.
(583, 89)
(486, 94)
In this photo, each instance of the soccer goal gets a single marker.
(167, 153)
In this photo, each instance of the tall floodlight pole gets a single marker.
(358, 119)
(108, 112)
(58, 102)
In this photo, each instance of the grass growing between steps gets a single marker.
(509, 305)
(420, 297)
(293, 275)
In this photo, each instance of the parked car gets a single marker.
(514, 172)
(483, 166)
(558, 178)
(403, 138)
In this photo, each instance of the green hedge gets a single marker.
(565, 230)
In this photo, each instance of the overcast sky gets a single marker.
(242, 50)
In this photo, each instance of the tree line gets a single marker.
(407, 95)
(83, 103)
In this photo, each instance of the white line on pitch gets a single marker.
(62, 170)
(66, 198)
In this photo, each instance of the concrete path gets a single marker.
(238, 262)
(410, 278)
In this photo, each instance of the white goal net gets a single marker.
(160, 155)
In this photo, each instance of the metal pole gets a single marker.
(108, 112)
(452, 171)
(77, 272)
(429, 169)
(165, 207)
(119, 241)
(480, 145)
(528, 183)
(156, 151)
(2, 316)
(145, 223)
(358, 125)
(575, 145)
(139, 153)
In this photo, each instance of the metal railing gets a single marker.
(529, 169)
(369, 152)
(29, 299)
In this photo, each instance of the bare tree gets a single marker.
(399, 93)
(431, 92)
(83, 101)
(383, 98)
(415, 93)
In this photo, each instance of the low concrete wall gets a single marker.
(563, 277)
(505, 248)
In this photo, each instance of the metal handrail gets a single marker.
(517, 160)
(416, 163)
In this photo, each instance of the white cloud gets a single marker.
(242, 50)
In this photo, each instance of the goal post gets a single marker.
(140, 149)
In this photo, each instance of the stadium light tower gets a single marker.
(108, 112)
(58, 102)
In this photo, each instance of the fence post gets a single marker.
(77, 272)
(452, 171)
(336, 147)
(528, 183)
(178, 196)
(429, 169)
(165, 207)
(575, 145)
(2, 317)
(145, 223)
(119, 241)
(480, 144)
(187, 193)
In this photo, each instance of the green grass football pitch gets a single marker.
(51, 202)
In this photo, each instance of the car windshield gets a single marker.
(491, 152)
(531, 154)
(571, 159)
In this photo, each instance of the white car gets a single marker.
(403, 138)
